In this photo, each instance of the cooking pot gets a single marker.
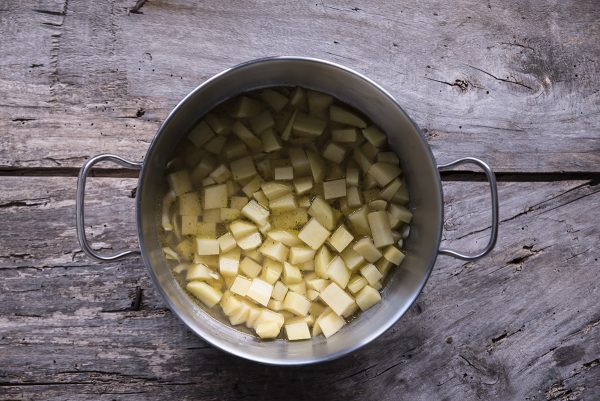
(405, 138)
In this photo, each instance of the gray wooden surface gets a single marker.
(515, 83)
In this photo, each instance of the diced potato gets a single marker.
(275, 305)
(317, 284)
(260, 197)
(201, 134)
(226, 242)
(347, 117)
(270, 141)
(274, 250)
(180, 182)
(334, 152)
(317, 101)
(287, 130)
(219, 124)
(271, 271)
(323, 213)
(215, 145)
(200, 271)
(243, 168)
(215, 196)
(211, 261)
(251, 241)
(393, 254)
(290, 220)
(252, 186)
(241, 285)
(354, 197)
(284, 173)
(384, 173)
(314, 234)
(267, 315)
(334, 189)
(317, 166)
(255, 213)
(331, 324)
(303, 185)
(304, 201)
(212, 216)
(279, 291)
(338, 272)
(361, 159)
(370, 273)
(297, 331)
(401, 213)
(266, 330)
(301, 254)
(291, 274)
(188, 225)
(370, 151)
(390, 190)
(378, 204)
(309, 265)
(260, 291)
(299, 288)
(168, 200)
(274, 99)
(241, 315)
(241, 229)
(204, 292)
(220, 174)
(344, 135)
(208, 181)
(237, 202)
(180, 268)
(235, 149)
(245, 107)
(367, 250)
(299, 161)
(189, 204)
(401, 197)
(374, 136)
(262, 122)
(380, 228)
(298, 97)
(246, 136)
(249, 267)
(312, 294)
(229, 262)
(285, 202)
(367, 297)
(388, 157)
(296, 303)
(356, 284)
(305, 125)
(186, 249)
(274, 190)
(337, 299)
(207, 246)
(286, 237)
(228, 214)
(352, 259)
(340, 238)
(322, 260)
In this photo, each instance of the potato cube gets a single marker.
(243, 168)
(370, 273)
(180, 182)
(297, 331)
(308, 126)
(334, 189)
(229, 262)
(271, 271)
(317, 284)
(211, 261)
(262, 122)
(189, 204)
(299, 161)
(237, 202)
(340, 238)
(354, 197)
(296, 303)
(206, 246)
(253, 254)
(228, 214)
(374, 136)
(201, 134)
(260, 197)
(286, 237)
(301, 254)
(241, 315)
(267, 315)
(323, 213)
(241, 285)
(312, 294)
(322, 260)
(274, 190)
(251, 241)
(188, 225)
(285, 173)
(317, 166)
(370, 151)
(279, 291)
(390, 190)
(299, 288)
(384, 173)
(344, 135)
(361, 159)
(212, 216)
(337, 299)
(274, 99)
(215, 196)
(200, 271)
(334, 152)
(245, 107)
(302, 185)
(401, 197)
(367, 297)
(270, 141)
(285, 202)
(260, 291)
(367, 250)
(186, 249)
(226, 242)
(256, 213)
(252, 186)
(356, 284)
(220, 174)
(331, 324)
(275, 305)
(341, 115)
(287, 130)
(317, 101)
(290, 220)
(249, 267)
(352, 259)
(338, 272)
(291, 274)
(266, 330)
(246, 136)
(314, 234)
(204, 292)
(401, 213)
(274, 250)
(380, 228)
(241, 229)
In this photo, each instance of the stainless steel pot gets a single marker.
(419, 167)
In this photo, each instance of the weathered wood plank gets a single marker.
(514, 84)
(522, 323)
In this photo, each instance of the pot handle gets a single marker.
(491, 178)
(79, 205)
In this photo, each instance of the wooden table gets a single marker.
(515, 83)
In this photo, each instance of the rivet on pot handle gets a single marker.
(491, 177)
(79, 205)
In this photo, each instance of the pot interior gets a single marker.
(418, 165)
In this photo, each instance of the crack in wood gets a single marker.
(500, 79)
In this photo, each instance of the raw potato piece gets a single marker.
(215, 196)
(367, 250)
(338, 272)
(240, 285)
(250, 268)
(297, 331)
(344, 116)
(205, 293)
(260, 291)
(284, 173)
(380, 228)
(383, 173)
(337, 299)
(334, 189)
(367, 297)
(393, 254)
(314, 234)
(374, 136)
(322, 211)
(256, 213)
(340, 238)
(243, 168)
(296, 303)
(331, 324)
(371, 274)
(207, 246)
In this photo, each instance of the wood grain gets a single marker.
(515, 84)
(522, 323)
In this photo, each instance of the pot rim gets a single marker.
(216, 341)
